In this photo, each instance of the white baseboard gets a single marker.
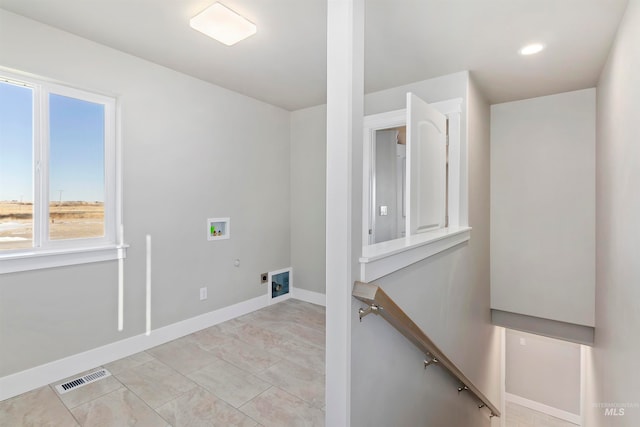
(30, 379)
(309, 296)
(545, 409)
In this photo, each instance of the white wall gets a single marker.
(432, 90)
(447, 295)
(192, 150)
(308, 171)
(544, 370)
(543, 207)
(614, 376)
(308, 192)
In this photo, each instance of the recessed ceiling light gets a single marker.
(223, 24)
(532, 49)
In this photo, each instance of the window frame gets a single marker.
(380, 259)
(45, 252)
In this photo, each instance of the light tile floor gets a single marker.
(263, 369)
(520, 416)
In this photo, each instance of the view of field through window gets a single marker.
(75, 168)
(69, 220)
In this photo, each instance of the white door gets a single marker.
(426, 166)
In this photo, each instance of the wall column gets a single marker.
(345, 91)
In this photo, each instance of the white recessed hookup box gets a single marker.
(218, 228)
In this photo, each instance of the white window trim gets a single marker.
(57, 253)
(35, 260)
(384, 258)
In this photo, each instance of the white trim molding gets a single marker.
(457, 166)
(30, 379)
(503, 375)
(21, 382)
(274, 300)
(384, 258)
(45, 251)
(34, 260)
(345, 105)
(584, 362)
(545, 409)
(309, 296)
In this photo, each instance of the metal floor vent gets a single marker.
(82, 381)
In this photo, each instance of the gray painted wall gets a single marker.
(544, 370)
(192, 150)
(386, 226)
(613, 372)
(543, 207)
(308, 188)
(447, 295)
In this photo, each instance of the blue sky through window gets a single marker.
(76, 155)
(16, 134)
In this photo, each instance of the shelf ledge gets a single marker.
(36, 259)
(384, 258)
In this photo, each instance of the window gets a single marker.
(58, 183)
(428, 186)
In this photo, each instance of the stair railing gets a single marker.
(379, 303)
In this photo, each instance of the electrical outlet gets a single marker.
(264, 277)
(203, 294)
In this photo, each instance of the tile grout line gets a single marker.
(281, 387)
(144, 401)
(239, 408)
(147, 404)
(167, 366)
(59, 396)
(64, 405)
(261, 350)
(286, 339)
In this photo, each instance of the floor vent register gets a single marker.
(83, 380)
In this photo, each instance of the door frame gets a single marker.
(372, 124)
(457, 175)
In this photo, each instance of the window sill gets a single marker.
(38, 259)
(384, 258)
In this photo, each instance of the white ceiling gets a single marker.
(406, 41)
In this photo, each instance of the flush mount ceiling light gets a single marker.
(531, 49)
(223, 24)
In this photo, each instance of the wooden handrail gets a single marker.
(381, 304)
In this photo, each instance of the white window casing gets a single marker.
(46, 252)
(381, 259)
